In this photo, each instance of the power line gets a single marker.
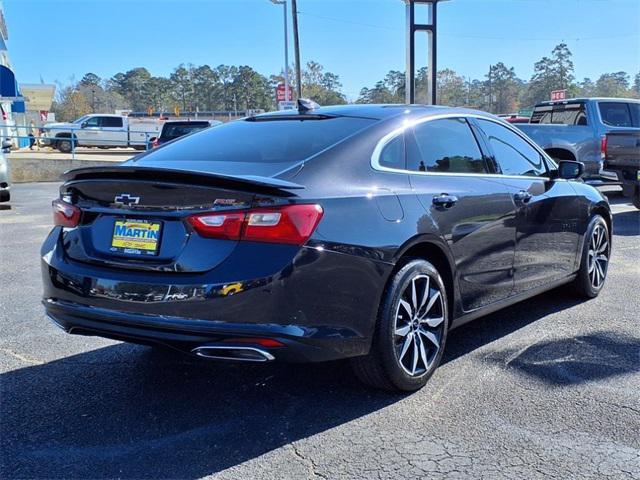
(482, 37)
(350, 22)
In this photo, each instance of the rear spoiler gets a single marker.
(242, 182)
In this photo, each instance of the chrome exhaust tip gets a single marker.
(235, 353)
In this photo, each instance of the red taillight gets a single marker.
(290, 224)
(218, 225)
(65, 214)
(603, 147)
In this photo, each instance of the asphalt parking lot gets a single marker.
(546, 389)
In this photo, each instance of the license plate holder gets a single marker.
(136, 237)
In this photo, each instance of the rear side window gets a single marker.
(513, 155)
(615, 114)
(262, 147)
(446, 146)
(392, 155)
(111, 122)
(560, 114)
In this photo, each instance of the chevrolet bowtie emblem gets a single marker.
(126, 199)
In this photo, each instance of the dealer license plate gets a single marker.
(137, 237)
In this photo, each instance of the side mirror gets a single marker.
(570, 170)
(83, 125)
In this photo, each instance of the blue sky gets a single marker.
(360, 40)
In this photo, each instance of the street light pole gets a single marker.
(296, 45)
(286, 55)
(286, 48)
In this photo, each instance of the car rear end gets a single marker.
(215, 264)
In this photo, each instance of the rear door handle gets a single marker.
(522, 196)
(445, 200)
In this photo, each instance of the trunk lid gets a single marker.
(155, 202)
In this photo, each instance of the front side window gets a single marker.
(81, 119)
(616, 114)
(92, 122)
(513, 155)
(444, 146)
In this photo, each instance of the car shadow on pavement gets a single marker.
(558, 362)
(575, 360)
(490, 328)
(126, 411)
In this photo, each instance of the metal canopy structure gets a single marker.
(430, 28)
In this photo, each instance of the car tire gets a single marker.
(5, 196)
(594, 262)
(411, 331)
(64, 145)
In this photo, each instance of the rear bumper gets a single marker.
(187, 335)
(321, 306)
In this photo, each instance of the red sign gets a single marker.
(558, 95)
(280, 93)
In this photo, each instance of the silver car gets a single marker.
(5, 173)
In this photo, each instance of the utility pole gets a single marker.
(296, 46)
(490, 90)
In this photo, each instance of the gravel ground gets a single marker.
(546, 389)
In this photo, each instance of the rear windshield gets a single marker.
(171, 131)
(560, 114)
(262, 148)
(620, 114)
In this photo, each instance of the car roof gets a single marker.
(587, 99)
(374, 111)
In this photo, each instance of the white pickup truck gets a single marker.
(101, 130)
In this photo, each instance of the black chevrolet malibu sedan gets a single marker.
(361, 232)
